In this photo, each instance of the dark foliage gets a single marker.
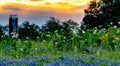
(51, 25)
(54, 24)
(1, 32)
(102, 14)
(27, 30)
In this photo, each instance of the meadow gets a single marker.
(89, 47)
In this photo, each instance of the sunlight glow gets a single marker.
(28, 2)
(54, 0)
(5, 1)
(66, 6)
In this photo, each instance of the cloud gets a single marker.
(10, 7)
(36, 0)
(39, 10)
(58, 7)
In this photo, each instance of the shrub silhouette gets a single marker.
(27, 30)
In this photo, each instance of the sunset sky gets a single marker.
(38, 11)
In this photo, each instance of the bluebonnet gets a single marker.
(65, 61)
(42, 49)
(92, 57)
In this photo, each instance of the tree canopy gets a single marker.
(27, 30)
(51, 25)
(54, 24)
(102, 14)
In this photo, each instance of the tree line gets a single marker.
(32, 31)
(102, 14)
(99, 14)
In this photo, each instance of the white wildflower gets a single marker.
(95, 31)
(37, 37)
(56, 43)
(118, 22)
(21, 49)
(48, 35)
(35, 48)
(56, 31)
(27, 37)
(26, 41)
(83, 31)
(2, 36)
(64, 37)
(115, 26)
(44, 41)
(111, 23)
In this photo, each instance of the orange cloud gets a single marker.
(58, 7)
(64, 6)
(38, 11)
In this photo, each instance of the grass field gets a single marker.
(84, 48)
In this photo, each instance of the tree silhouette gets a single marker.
(102, 14)
(70, 25)
(27, 30)
(1, 32)
(51, 25)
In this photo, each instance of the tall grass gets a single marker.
(84, 43)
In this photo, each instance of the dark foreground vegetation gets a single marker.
(61, 47)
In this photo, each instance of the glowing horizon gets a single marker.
(64, 5)
(35, 10)
(38, 2)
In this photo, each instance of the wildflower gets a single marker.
(9, 62)
(27, 37)
(92, 57)
(101, 60)
(44, 40)
(70, 60)
(21, 49)
(64, 37)
(56, 31)
(116, 38)
(95, 31)
(108, 63)
(2, 36)
(42, 48)
(46, 57)
(115, 26)
(37, 37)
(111, 23)
(35, 48)
(26, 41)
(95, 28)
(56, 64)
(48, 35)
(56, 43)
(6, 33)
(29, 27)
(78, 59)
(37, 30)
(118, 22)
(83, 31)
